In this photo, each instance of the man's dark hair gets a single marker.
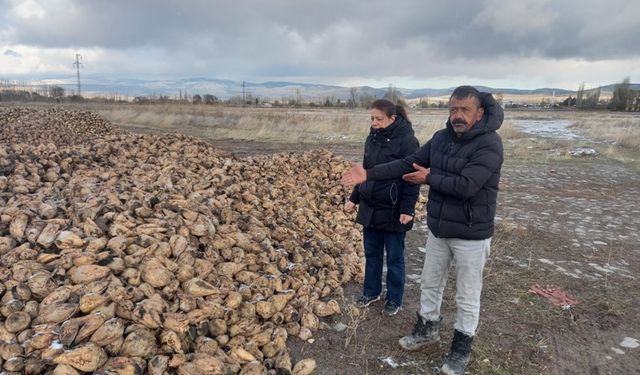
(462, 92)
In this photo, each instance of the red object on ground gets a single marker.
(555, 295)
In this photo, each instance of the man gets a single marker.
(461, 164)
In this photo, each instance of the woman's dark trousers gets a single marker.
(375, 243)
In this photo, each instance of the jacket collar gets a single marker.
(399, 126)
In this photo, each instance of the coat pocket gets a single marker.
(468, 213)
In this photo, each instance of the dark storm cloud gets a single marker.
(554, 29)
(331, 37)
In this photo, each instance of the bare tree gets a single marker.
(593, 98)
(394, 95)
(353, 92)
(56, 92)
(580, 96)
(621, 95)
(210, 99)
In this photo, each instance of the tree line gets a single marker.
(624, 98)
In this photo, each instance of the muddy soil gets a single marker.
(567, 223)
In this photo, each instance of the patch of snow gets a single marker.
(393, 364)
(607, 268)
(560, 269)
(556, 129)
(623, 262)
(630, 342)
(583, 151)
(390, 362)
(600, 268)
(617, 350)
(340, 327)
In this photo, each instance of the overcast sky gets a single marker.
(411, 44)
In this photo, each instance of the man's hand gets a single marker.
(349, 206)
(355, 175)
(405, 219)
(417, 177)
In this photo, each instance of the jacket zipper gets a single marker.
(468, 214)
(441, 214)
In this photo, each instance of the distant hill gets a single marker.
(273, 90)
(611, 87)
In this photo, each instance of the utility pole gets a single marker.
(244, 98)
(77, 64)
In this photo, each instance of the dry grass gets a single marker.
(356, 317)
(263, 124)
(618, 132)
(624, 132)
(271, 124)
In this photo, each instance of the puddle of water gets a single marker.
(556, 129)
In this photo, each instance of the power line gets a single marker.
(77, 64)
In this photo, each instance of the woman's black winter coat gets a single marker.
(382, 202)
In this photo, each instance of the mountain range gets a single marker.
(273, 90)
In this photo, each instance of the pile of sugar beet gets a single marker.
(123, 253)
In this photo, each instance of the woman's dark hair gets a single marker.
(389, 108)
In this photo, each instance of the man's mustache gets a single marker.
(458, 122)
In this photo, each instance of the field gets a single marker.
(570, 222)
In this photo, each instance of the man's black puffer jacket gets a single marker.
(382, 202)
(465, 172)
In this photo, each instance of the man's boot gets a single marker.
(424, 333)
(458, 356)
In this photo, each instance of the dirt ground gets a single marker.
(569, 223)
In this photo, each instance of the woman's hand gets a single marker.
(405, 219)
(349, 206)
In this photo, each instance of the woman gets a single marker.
(386, 208)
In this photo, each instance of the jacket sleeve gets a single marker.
(397, 168)
(482, 164)
(410, 192)
(355, 195)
